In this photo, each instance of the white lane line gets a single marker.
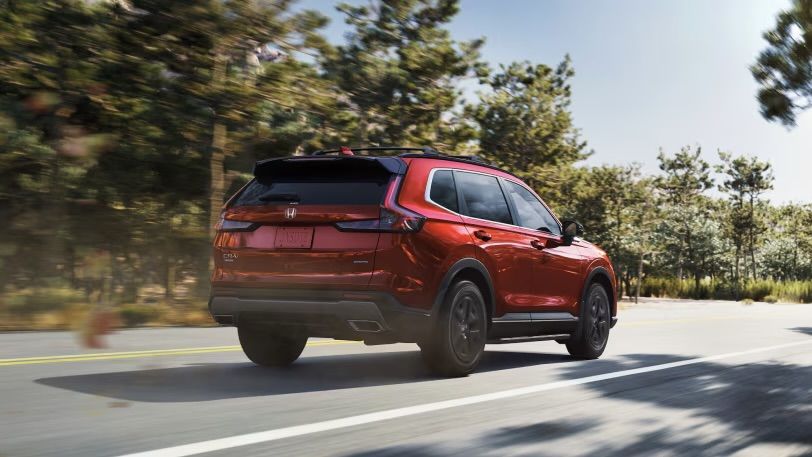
(351, 421)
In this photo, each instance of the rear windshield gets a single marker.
(317, 183)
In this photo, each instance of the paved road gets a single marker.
(678, 378)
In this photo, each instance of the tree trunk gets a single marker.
(752, 236)
(679, 259)
(217, 183)
(169, 277)
(218, 150)
(753, 254)
(627, 279)
(736, 277)
(639, 277)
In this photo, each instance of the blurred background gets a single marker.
(124, 124)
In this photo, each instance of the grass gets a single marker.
(762, 290)
(59, 308)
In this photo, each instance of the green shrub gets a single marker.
(759, 289)
(756, 290)
(747, 301)
(771, 299)
(135, 315)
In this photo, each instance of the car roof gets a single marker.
(425, 152)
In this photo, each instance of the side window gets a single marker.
(443, 192)
(483, 197)
(530, 212)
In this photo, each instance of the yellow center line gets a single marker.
(214, 349)
(137, 354)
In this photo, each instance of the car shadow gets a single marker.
(804, 330)
(494, 442)
(708, 408)
(216, 381)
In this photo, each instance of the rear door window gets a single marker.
(443, 191)
(482, 197)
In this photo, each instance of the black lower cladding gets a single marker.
(352, 315)
(512, 325)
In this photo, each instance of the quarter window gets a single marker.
(483, 197)
(530, 212)
(443, 192)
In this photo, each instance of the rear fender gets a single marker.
(453, 272)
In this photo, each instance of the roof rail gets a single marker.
(425, 150)
(408, 152)
(468, 158)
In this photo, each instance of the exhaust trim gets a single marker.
(365, 326)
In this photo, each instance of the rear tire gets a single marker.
(590, 340)
(271, 347)
(457, 342)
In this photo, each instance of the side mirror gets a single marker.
(571, 230)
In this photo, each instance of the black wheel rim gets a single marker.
(467, 333)
(599, 317)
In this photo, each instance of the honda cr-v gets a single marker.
(386, 245)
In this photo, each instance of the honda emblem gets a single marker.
(290, 213)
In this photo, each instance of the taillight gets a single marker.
(225, 225)
(398, 220)
(393, 217)
(401, 220)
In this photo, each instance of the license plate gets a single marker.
(294, 238)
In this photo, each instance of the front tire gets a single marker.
(456, 345)
(590, 340)
(270, 347)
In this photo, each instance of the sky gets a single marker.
(649, 75)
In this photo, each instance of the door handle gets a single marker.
(537, 244)
(482, 235)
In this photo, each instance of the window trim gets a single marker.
(460, 200)
(464, 205)
(430, 181)
(500, 179)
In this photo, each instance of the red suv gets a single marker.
(444, 251)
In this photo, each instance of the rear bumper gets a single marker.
(353, 315)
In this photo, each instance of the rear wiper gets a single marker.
(279, 198)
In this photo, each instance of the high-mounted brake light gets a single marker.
(345, 151)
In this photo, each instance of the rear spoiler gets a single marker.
(394, 165)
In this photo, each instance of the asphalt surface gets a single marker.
(678, 378)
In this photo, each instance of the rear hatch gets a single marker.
(305, 222)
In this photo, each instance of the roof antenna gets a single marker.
(428, 150)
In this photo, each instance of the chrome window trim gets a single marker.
(427, 197)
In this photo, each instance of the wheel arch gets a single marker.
(602, 276)
(472, 270)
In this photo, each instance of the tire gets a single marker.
(457, 341)
(590, 340)
(271, 347)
